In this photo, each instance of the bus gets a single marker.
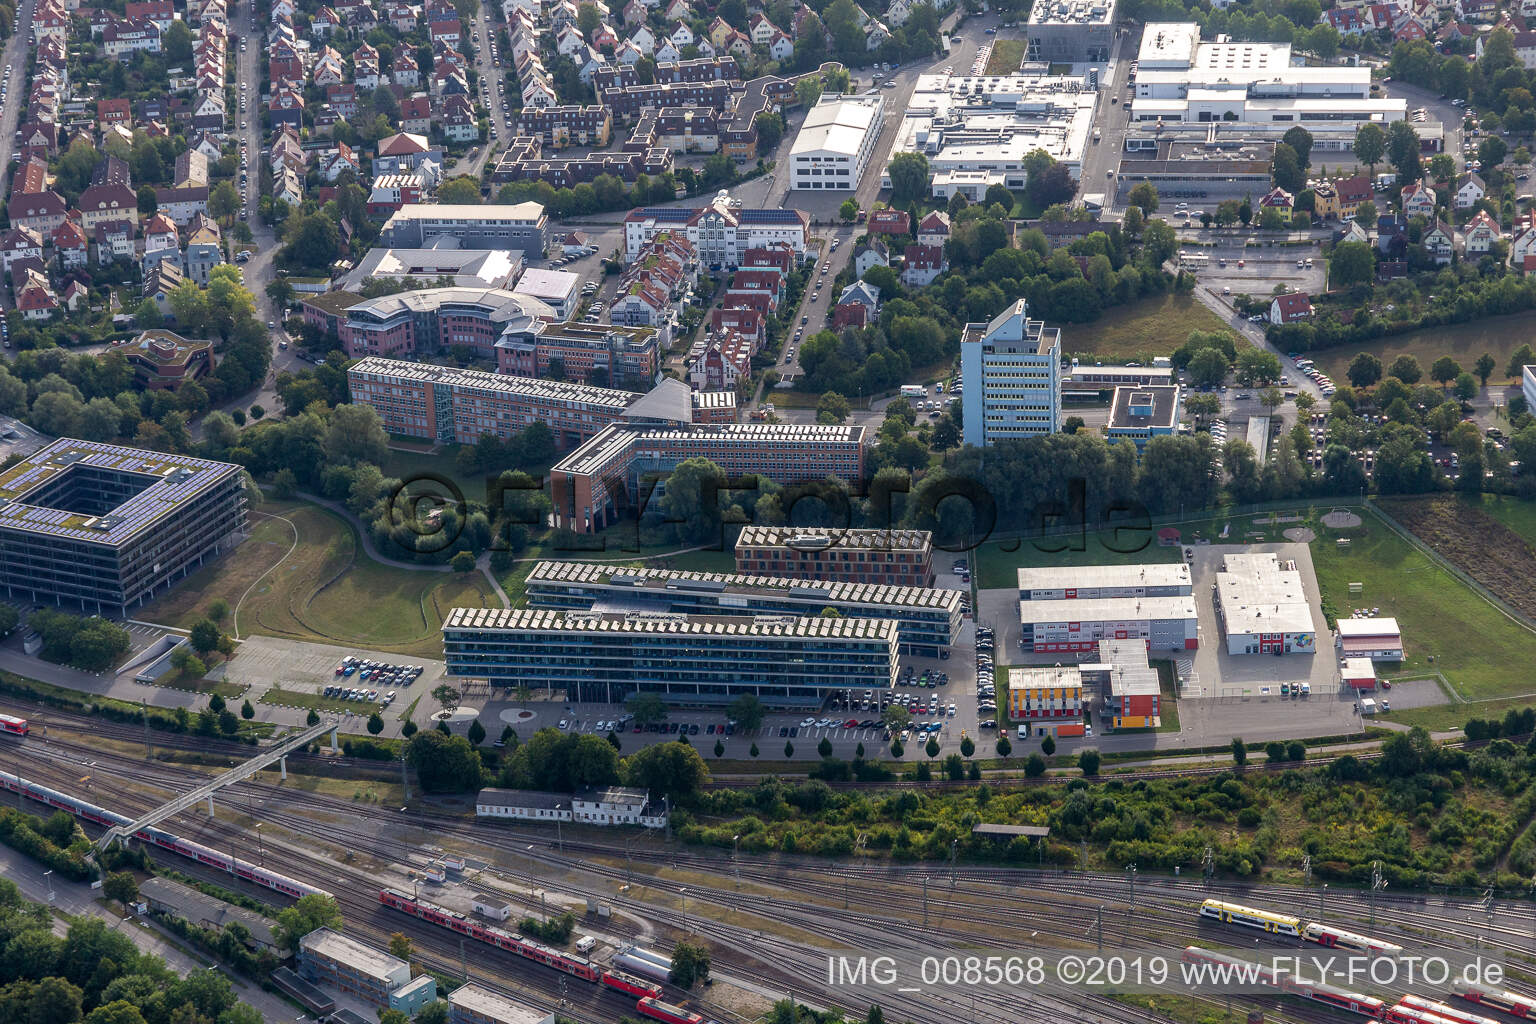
(1193, 260)
(14, 726)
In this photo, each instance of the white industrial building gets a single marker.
(1011, 372)
(1077, 626)
(1376, 638)
(1086, 582)
(1070, 31)
(1263, 606)
(1181, 78)
(468, 268)
(976, 131)
(835, 142)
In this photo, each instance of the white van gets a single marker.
(1023, 732)
(585, 944)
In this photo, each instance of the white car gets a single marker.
(808, 723)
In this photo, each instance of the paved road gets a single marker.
(15, 104)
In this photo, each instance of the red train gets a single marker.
(631, 985)
(576, 966)
(1443, 1010)
(1511, 1003)
(658, 1010)
(1352, 1002)
(13, 725)
(1405, 1013)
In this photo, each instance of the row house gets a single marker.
(640, 304)
(750, 283)
(51, 21)
(365, 68)
(688, 129)
(284, 63)
(286, 107)
(558, 127)
(743, 320)
(109, 197)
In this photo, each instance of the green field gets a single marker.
(1498, 336)
(1152, 327)
(326, 590)
(1473, 644)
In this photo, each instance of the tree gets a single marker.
(1364, 370)
(313, 718)
(1466, 386)
(1406, 369)
(1004, 747)
(909, 177)
(824, 748)
(444, 763)
(673, 770)
(1492, 151)
(1257, 365)
(1444, 370)
(754, 751)
(789, 750)
(1366, 215)
(932, 749)
(646, 708)
(808, 91)
(690, 965)
(1208, 368)
(447, 696)
(223, 201)
(1286, 170)
(461, 190)
(308, 913)
(1035, 766)
(475, 733)
(746, 711)
(1351, 263)
(848, 211)
(1143, 196)
(1088, 761)
(247, 712)
(54, 1001)
(1300, 141)
(375, 724)
(967, 747)
(1484, 368)
(204, 636)
(719, 748)
(770, 131)
(120, 886)
(400, 946)
(1048, 745)
(355, 434)
(832, 408)
(462, 562)
(1403, 150)
(1239, 751)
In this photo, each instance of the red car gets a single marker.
(1385, 685)
(852, 723)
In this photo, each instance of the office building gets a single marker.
(1130, 693)
(329, 958)
(437, 319)
(1088, 582)
(1091, 381)
(1011, 372)
(560, 290)
(522, 227)
(929, 619)
(1055, 692)
(976, 131)
(1373, 637)
(687, 660)
(475, 1004)
(1262, 606)
(721, 233)
(609, 354)
(835, 142)
(593, 485)
(1181, 78)
(611, 805)
(453, 406)
(1070, 31)
(1142, 412)
(1077, 626)
(895, 558)
(107, 528)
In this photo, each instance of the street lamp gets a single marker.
(684, 891)
(261, 850)
(49, 882)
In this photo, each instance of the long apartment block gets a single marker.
(693, 660)
(521, 226)
(594, 485)
(928, 620)
(107, 528)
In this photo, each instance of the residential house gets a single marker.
(1278, 199)
(339, 162)
(1392, 236)
(1352, 192)
(403, 70)
(182, 204)
(123, 38)
(115, 241)
(34, 296)
(416, 115)
(161, 242)
(723, 363)
(1290, 308)
(681, 35)
(921, 264)
(569, 41)
(781, 47)
(1522, 247)
(857, 306)
(644, 40)
(324, 22)
(933, 229)
(110, 196)
(760, 29)
(74, 296)
(17, 244)
(667, 50)
(872, 252)
(1440, 241)
(110, 113)
(71, 246)
(890, 221)
(1418, 200)
(676, 10)
(204, 248)
(42, 211)
(1470, 190)
(286, 107)
(1480, 233)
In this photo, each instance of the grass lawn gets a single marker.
(1168, 687)
(327, 590)
(1445, 717)
(1473, 644)
(310, 699)
(1498, 336)
(1007, 55)
(224, 689)
(1153, 327)
(1519, 516)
